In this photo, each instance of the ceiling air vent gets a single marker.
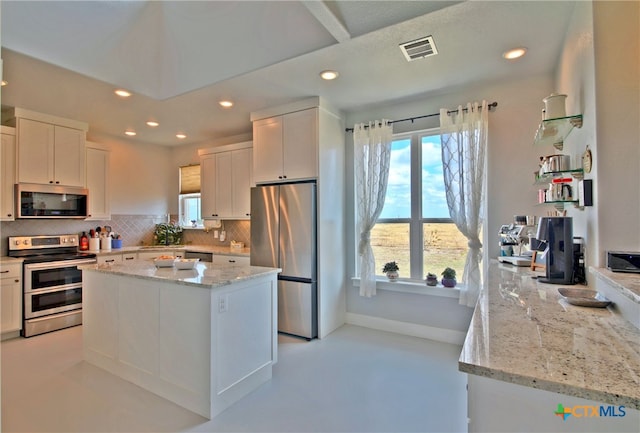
(419, 49)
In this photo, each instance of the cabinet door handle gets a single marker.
(232, 261)
(9, 215)
(109, 261)
(4, 272)
(284, 177)
(279, 177)
(128, 258)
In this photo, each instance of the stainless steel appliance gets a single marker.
(51, 201)
(555, 236)
(52, 281)
(623, 261)
(283, 235)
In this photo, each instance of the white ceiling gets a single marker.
(180, 58)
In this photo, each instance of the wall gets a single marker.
(512, 160)
(575, 77)
(617, 72)
(599, 71)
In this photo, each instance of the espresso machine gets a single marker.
(514, 242)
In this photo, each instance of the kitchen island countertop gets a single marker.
(524, 332)
(203, 274)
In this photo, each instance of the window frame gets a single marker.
(416, 220)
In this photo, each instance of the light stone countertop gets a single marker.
(203, 275)
(626, 283)
(8, 260)
(524, 332)
(219, 250)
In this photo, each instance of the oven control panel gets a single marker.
(32, 242)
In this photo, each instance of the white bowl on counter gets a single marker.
(186, 263)
(164, 261)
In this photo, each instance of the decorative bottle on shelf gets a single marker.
(84, 242)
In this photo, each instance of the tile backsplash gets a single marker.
(134, 230)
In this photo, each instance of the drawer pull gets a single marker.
(4, 272)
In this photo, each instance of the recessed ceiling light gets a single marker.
(515, 53)
(122, 93)
(130, 133)
(226, 104)
(329, 75)
(4, 83)
(152, 123)
(181, 136)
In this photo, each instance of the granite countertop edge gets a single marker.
(219, 250)
(145, 270)
(496, 353)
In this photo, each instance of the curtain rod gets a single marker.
(489, 106)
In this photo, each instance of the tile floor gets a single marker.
(355, 380)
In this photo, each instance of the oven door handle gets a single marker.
(53, 289)
(58, 264)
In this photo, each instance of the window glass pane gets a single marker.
(397, 203)
(190, 209)
(390, 243)
(444, 247)
(434, 201)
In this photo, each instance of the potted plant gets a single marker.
(432, 279)
(391, 270)
(449, 277)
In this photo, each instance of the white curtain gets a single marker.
(372, 152)
(464, 141)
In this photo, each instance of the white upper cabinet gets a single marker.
(285, 147)
(51, 150)
(226, 181)
(7, 174)
(97, 181)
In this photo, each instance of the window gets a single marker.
(189, 198)
(190, 210)
(414, 228)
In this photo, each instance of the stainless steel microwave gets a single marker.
(51, 201)
(623, 261)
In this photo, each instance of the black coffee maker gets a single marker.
(555, 240)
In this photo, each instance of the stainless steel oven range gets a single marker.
(52, 281)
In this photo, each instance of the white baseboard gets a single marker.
(411, 329)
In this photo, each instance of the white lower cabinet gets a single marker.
(109, 258)
(11, 294)
(150, 255)
(219, 259)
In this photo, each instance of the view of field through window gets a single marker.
(443, 246)
(419, 201)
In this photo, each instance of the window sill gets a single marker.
(192, 228)
(414, 287)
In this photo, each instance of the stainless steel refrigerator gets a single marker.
(283, 235)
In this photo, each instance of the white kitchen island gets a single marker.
(201, 338)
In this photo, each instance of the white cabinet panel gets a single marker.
(50, 154)
(69, 155)
(111, 258)
(242, 181)
(11, 297)
(300, 144)
(7, 175)
(100, 305)
(219, 259)
(267, 149)
(35, 151)
(286, 147)
(138, 307)
(97, 181)
(226, 181)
